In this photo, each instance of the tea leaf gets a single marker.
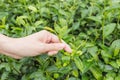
(32, 8)
(116, 44)
(96, 72)
(108, 29)
(49, 29)
(79, 63)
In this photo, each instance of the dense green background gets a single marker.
(91, 27)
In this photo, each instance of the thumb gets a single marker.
(54, 47)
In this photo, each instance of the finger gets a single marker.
(54, 38)
(52, 53)
(67, 47)
(54, 47)
(11, 55)
(48, 36)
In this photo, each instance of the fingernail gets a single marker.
(68, 49)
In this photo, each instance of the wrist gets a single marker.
(3, 40)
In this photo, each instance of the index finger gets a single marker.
(67, 47)
(55, 39)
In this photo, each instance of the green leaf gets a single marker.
(87, 65)
(116, 52)
(37, 75)
(85, 77)
(25, 77)
(108, 68)
(37, 23)
(49, 29)
(66, 60)
(106, 54)
(118, 62)
(96, 72)
(108, 29)
(118, 26)
(79, 63)
(114, 64)
(56, 75)
(93, 52)
(64, 70)
(4, 75)
(52, 69)
(95, 18)
(115, 44)
(73, 78)
(20, 20)
(3, 14)
(63, 22)
(5, 66)
(34, 9)
(75, 73)
(75, 25)
(62, 31)
(3, 20)
(110, 76)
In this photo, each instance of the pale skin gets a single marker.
(32, 45)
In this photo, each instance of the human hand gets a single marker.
(33, 45)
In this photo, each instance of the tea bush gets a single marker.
(91, 27)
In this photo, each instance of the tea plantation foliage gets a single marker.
(90, 27)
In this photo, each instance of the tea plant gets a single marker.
(91, 27)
